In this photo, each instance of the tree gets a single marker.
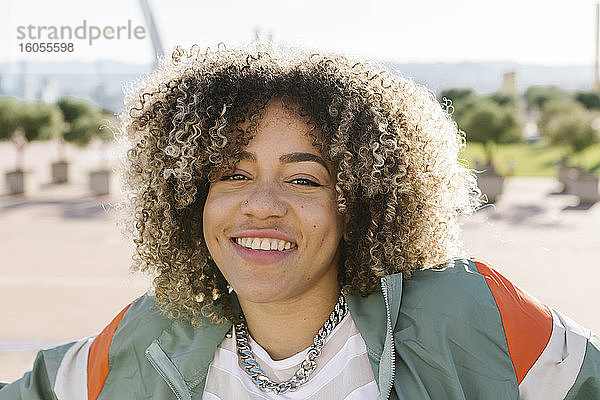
(72, 108)
(556, 108)
(82, 122)
(23, 123)
(84, 128)
(537, 96)
(462, 100)
(489, 123)
(41, 121)
(591, 100)
(573, 127)
(457, 94)
(488, 120)
(9, 117)
(505, 99)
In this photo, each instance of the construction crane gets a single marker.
(154, 36)
(597, 64)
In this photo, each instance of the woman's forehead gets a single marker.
(281, 126)
(281, 130)
(289, 158)
(284, 111)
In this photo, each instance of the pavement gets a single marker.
(545, 243)
(64, 266)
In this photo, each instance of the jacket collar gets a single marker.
(191, 350)
(370, 316)
(394, 289)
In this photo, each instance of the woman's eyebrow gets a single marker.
(288, 158)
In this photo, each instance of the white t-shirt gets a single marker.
(343, 370)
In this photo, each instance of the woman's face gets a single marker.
(271, 224)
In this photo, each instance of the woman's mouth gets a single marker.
(263, 250)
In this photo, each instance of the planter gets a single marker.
(566, 176)
(20, 182)
(60, 172)
(100, 182)
(490, 184)
(586, 188)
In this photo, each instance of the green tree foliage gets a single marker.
(22, 123)
(457, 94)
(40, 121)
(574, 130)
(9, 117)
(556, 108)
(505, 99)
(489, 123)
(537, 96)
(84, 121)
(108, 126)
(488, 120)
(73, 108)
(567, 122)
(84, 128)
(33, 121)
(591, 100)
(462, 100)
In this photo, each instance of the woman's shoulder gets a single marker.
(84, 365)
(143, 309)
(475, 294)
(138, 322)
(474, 305)
(459, 283)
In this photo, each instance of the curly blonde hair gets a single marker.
(399, 179)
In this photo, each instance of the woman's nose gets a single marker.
(264, 201)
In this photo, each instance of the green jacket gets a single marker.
(460, 331)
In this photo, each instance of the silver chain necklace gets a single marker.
(308, 365)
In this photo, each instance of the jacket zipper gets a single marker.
(390, 334)
(162, 374)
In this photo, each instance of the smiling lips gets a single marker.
(265, 244)
(263, 251)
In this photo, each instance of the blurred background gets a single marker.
(521, 79)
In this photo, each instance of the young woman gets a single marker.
(299, 213)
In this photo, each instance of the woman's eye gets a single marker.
(297, 181)
(305, 182)
(233, 177)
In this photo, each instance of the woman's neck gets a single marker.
(287, 327)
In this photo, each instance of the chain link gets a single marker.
(306, 367)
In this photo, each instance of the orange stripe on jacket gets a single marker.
(527, 322)
(97, 366)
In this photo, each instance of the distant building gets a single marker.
(509, 82)
(27, 88)
(50, 91)
(99, 93)
(597, 63)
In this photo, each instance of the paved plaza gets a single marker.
(64, 267)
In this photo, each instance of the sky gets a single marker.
(549, 32)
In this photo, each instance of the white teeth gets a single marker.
(264, 243)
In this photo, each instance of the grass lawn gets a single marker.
(531, 159)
